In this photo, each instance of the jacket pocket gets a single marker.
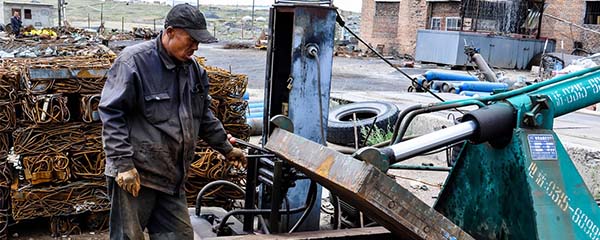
(198, 102)
(157, 107)
(156, 161)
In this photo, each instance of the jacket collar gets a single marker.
(164, 56)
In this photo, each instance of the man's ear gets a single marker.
(170, 32)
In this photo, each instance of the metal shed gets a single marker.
(447, 47)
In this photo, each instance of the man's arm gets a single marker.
(212, 131)
(117, 99)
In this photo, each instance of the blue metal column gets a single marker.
(292, 82)
(311, 26)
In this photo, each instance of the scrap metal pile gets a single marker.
(50, 105)
(49, 117)
(227, 90)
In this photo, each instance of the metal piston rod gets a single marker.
(410, 148)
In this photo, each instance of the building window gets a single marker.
(27, 14)
(592, 12)
(452, 24)
(12, 12)
(436, 23)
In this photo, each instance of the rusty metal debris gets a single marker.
(227, 90)
(49, 117)
(78, 197)
(48, 112)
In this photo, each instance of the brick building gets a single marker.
(391, 25)
(579, 12)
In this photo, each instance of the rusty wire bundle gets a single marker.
(91, 140)
(9, 81)
(39, 140)
(88, 165)
(4, 211)
(63, 74)
(46, 168)
(74, 198)
(210, 165)
(89, 107)
(5, 181)
(226, 90)
(4, 146)
(64, 226)
(46, 108)
(8, 118)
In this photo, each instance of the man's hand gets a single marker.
(236, 157)
(129, 181)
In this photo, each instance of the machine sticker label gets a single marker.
(542, 147)
(559, 196)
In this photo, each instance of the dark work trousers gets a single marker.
(165, 216)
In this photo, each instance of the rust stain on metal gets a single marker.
(325, 167)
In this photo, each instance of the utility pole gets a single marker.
(252, 26)
(101, 13)
(60, 13)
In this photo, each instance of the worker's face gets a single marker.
(16, 14)
(180, 44)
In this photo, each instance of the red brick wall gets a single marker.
(374, 30)
(443, 10)
(413, 16)
(570, 10)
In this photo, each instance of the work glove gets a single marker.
(129, 181)
(236, 157)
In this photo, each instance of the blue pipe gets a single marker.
(254, 115)
(445, 76)
(256, 104)
(483, 86)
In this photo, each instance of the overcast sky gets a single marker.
(350, 5)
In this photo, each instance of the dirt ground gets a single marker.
(349, 74)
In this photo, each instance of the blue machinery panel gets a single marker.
(291, 85)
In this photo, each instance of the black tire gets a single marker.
(340, 127)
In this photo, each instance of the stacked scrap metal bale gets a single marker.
(227, 90)
(8, 89)
(58, 158)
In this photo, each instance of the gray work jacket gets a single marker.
(153, 110)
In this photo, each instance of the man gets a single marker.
(154, 105)
(15, 22)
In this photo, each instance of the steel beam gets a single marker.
(365, 187)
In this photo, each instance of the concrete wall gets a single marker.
(41, 15)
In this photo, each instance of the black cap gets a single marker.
(191, 20)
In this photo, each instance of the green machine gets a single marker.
(513, 179)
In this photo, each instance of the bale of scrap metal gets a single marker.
(226, 90)
(5, 182)
(57, 138)
(31, 202)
